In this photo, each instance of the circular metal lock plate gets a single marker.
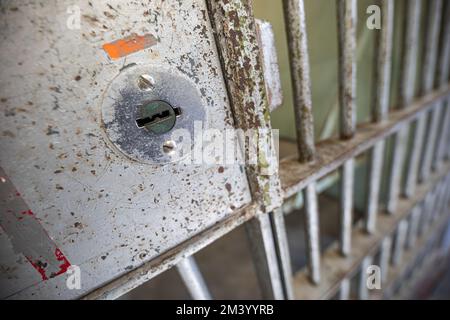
(135, 88)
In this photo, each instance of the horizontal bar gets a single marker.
(334, 268)
(332, 153)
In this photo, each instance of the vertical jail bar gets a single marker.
(400, 240)
(431, 207)
(443, 142)
(363, 292)
(428, 73)
(346, 206)
(264, 254)
(438, 110)
(282, 247)
(347, 19)
(408, 73)
(442, 79)
(380, 107)
(385, 257)
(344, 290)
(236, 39)
(294, 13)
(192, 278)
(312, 232)
(413, 227)
(423, 215)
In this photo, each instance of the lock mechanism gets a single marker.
(144, 106)
(158, 116)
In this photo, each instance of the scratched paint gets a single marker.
(26, 233)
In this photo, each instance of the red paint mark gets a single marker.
(128, 45)
(65, 263)
(39, 267)
(29, 237)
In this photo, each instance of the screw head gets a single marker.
(146, 82)
(169, 147)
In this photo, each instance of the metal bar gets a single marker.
(332, 153)
(236, 39)
(266, 39)
(193, 279)
(425, 167)
(344, 291)
(424, 214)
(399, 142)
(373, 186)
(443, 144)
(420, 251)
(413, 227)
(444, 53)
(312, 232)
(437, 203)
(346, 206)
(430, 207)
(294, 13)
(347, 19)
(383, 62)
(442, 79)
(400, 240)
(428, 73)
(282, 247)
(385, 257)
(335, 269)
(431, 46)
(260, 235)
(380, 108)
(408, 75)
(434, 136)
(363, 292)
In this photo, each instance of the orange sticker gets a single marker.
(131, 44)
